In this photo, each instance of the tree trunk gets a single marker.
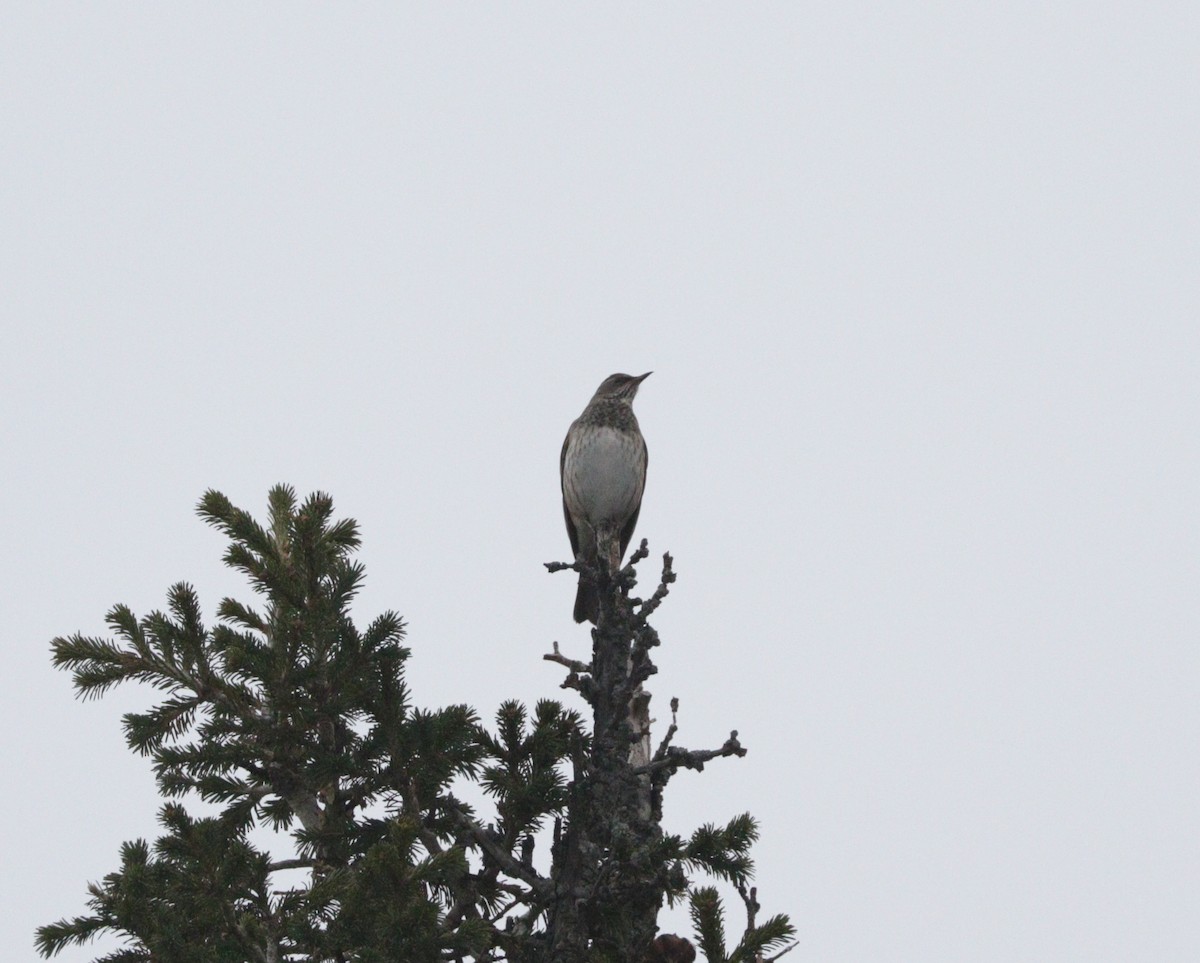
(611, 881)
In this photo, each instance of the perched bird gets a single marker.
(603, 472)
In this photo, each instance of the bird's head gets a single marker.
(620, 386)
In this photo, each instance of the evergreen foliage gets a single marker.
(289, 717)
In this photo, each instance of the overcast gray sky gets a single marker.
(919, 286)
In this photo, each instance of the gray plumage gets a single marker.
(603, 472)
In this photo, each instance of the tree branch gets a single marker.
(573, 664)
(661, 752)
(646, 609)
(676, 758)
(504, 859)
(291, 864)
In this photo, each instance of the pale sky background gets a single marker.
(919, 286)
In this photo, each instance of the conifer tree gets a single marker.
(287, 716)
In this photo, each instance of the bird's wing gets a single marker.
(571, 533)
(627, 528)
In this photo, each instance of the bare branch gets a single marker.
(751, 900)
(291, 864)
(661, 753)
(573, 664)
(639, 553)
(676, 758)
(504, 859)
(668, 576)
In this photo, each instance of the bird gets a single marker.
(602, 469)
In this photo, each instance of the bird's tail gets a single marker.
(587, 601)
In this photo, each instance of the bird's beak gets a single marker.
(640, 378)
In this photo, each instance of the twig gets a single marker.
(639, 553)
(580, 676)
(660, 593)
(291, 864)
(573, 664)
(427, 836)
(752, 906)
(671, 730)
(504, 859)
(677, 758)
